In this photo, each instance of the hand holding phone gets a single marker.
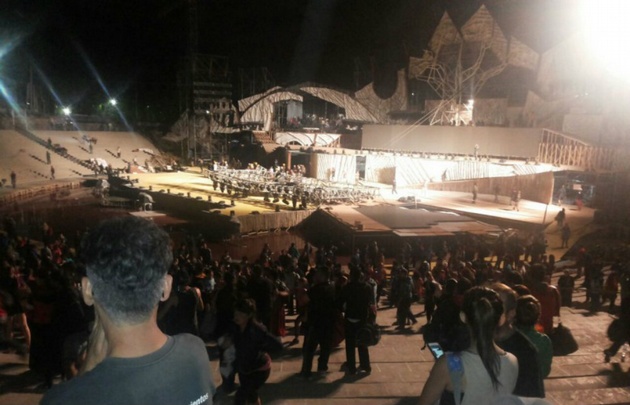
(436, 350)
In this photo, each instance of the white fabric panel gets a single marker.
(415, 171)
(521, 170)
(436, 169)
(502, 170)
(379, 107)
(467, 170)
(353, 108)
(259, 108)
(410, 172)
(522, 55)
(481, 27)
(345, 167)
(492, 111)
(445, 33)
(380, 168)
(306, 139)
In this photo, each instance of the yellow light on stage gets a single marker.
(606, 30)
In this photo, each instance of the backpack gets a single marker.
(368, 335)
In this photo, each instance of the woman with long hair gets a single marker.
(481, 372)
(253, 344)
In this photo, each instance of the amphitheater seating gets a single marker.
(25, 152)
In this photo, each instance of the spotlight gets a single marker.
(66, 111)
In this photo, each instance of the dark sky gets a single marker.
(136, 45)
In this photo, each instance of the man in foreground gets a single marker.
(129, 360)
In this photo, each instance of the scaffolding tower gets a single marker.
(205, 95)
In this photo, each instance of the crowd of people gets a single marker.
(241, 304)
(509, 305)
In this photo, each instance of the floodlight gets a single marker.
(113, 102)
(605, 29)
(66, 111)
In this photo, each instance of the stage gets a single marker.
(407, 213)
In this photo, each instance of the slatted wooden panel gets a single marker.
(561, 150)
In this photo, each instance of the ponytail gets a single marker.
(483, 309)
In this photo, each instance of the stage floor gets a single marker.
(386, 213)
(442, 206)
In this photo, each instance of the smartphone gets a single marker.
(436, 350)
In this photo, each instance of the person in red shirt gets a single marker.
(547, 295)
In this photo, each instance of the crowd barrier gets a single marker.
(17, 195)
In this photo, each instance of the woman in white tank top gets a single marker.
(488, 371)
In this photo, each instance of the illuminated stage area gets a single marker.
(384, 217)
(350, 190)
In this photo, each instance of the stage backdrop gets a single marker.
(534, 187)
(492, 141)
(333, 167)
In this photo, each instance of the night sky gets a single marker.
(135, 46)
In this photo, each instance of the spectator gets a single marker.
(596, 287)
(560, 217)
(321, 316)
(262, 291)
(404, 291)
(529, 382)
(357, 298)
(487, 370)
(178, 314)
(562, 194)
(566, 284)
(547, 295)
(565, 234)
(129, 360)
(253, 344)
(527, 314)
(611, 288)
(224, 306)
(302, 299)
(432, 291)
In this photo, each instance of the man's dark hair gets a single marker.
(246, 306)
(323, 272)
(126, 259)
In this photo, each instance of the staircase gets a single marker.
(62, 152)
